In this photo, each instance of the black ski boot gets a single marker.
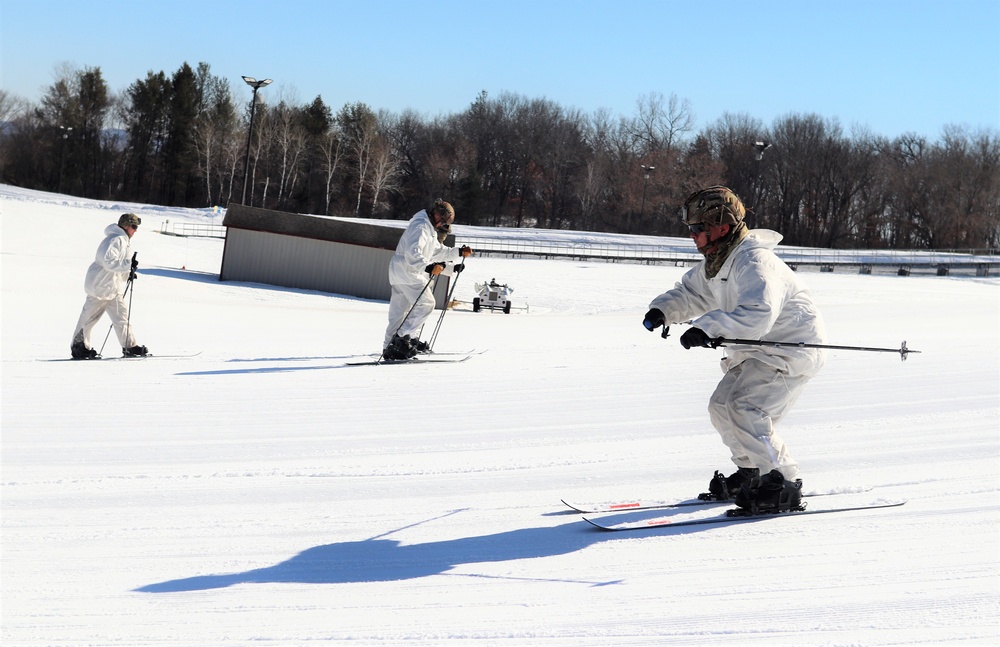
(399, 349)
(80, 351)
(771, 493)
(420, 347)
(135, 351)
(724, 488)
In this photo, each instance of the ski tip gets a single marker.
(597, 525)
(573, 507)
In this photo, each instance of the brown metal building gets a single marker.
(312, 253)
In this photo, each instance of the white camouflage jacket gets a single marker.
(754, 296)
(418, 247)
(107, 275)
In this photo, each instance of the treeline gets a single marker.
(506, 161)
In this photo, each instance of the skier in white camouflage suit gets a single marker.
(742, 290)
(105, 285)
(420, 255)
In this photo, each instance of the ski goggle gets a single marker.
(698, 228)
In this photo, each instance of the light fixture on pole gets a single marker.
(256, 85)
(66, 130)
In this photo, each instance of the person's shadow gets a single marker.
(383, 560)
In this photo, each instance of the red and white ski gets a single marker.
(627, 505)
(677, 518)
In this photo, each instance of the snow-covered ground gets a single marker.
(264, 493)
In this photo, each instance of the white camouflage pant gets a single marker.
(746, 405)
(403, 298)
(118, 312)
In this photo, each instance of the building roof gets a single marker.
(240, 216)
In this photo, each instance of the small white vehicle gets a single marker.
(492, 295)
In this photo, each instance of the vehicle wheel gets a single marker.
(506, 308)
(475, 304)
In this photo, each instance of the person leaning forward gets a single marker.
(742, 290)
(420, 255)
(113, 267)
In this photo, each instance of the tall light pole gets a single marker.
(646, 170)
(256, 85)
(761, 146)
(66, 130)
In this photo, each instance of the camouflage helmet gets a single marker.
(715, 205)
(444, 211)
(129, 220)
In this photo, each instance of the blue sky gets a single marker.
(893, 66)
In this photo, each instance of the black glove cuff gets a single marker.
(653, 320)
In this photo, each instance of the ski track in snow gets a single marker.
(262, 493)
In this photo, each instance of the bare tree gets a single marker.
(215, 132)
(385, 161)
(594, 182)
(949, 195)
(231, 158)
(12, 111)
(11, 106)
(360, 128)
(331, 150)
(660, 123)
(290, 145)
(731, 140)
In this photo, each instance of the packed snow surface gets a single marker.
(262, 492)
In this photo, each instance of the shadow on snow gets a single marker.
(385, 560)
(283, 368)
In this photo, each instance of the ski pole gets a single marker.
(400, 326)
(128, 317)
(722, 341)
(437, 327)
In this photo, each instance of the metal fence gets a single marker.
(202, 230)
(902, 262)
(608, 251)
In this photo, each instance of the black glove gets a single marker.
(654, 319)
(132, 275)
(434, 268)
(696, 337)
(458, 268)
(135, 262)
